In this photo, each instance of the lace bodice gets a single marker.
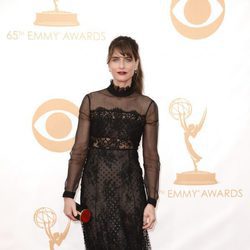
(116, 118)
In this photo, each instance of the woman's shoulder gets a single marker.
(147, 99)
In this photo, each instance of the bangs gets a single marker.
(124, 50)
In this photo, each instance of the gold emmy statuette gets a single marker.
(56, 17)
(181, 109)
(46, 218)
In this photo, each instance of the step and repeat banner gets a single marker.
(196, 59)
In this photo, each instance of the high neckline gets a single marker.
(121, 91)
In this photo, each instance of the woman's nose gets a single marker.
(121, 64)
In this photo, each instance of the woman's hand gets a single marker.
(70, 208)
(149, 217)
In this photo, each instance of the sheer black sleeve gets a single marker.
(79, 150)
(151, 159)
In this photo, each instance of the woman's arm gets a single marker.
(151, 160)
(79, 150)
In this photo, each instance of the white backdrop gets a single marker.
(40, 63)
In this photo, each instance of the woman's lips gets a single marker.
(122, 72)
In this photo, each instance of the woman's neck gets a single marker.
(122, 84)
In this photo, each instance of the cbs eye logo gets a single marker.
(52, 124)
(197, 19)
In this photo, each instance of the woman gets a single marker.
(110, 126)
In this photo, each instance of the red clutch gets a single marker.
(84, 214)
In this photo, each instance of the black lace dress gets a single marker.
(105, 158)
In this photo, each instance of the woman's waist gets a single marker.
(112, 143)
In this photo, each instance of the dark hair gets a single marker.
(128, 46)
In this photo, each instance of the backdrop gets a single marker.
(196, 59)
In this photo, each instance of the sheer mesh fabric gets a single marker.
(79, 150)
(105, 158)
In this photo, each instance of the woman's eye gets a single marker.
(129, 59)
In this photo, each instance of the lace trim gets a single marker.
(118, 88)
(129, 125)
(111, 143)
(114, 113)
(121, 91)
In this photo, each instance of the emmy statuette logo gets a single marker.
(180, 109)
(56, 17)
(45, 218)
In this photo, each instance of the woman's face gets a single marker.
(122, 68)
